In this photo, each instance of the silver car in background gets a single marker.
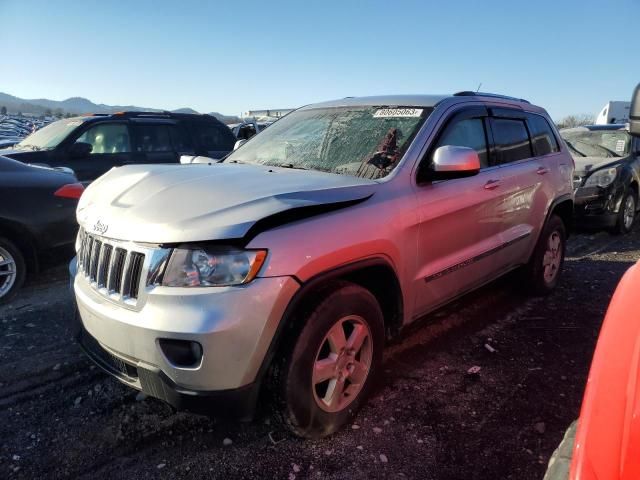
(285, 268)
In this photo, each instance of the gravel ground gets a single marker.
(430, 419)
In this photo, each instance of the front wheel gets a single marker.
(333, 364)
(627, 214)
(543, 270)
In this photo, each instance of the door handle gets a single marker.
(542, 170)
(491, 184)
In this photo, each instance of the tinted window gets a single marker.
(511, 139)
(179, 139)
(210, 136)
(542, 138)
(107, 138)
(153, 138)
(467, 133)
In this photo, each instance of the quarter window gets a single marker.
(107, 138)
(210, 136)
(469, 133)
(542, 137)
(511, 140)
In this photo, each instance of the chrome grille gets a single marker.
(112, 270)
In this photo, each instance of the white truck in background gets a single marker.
(614, 112)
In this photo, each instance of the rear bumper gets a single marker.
(237, 402)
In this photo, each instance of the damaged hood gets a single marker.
(587, 164)
(186, 203)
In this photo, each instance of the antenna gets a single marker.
(479, 85)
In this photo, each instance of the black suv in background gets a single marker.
(92, 145)
(607, 176)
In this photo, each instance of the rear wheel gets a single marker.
(544, 268)
(627, 213)
(12, 270)
(332, 366)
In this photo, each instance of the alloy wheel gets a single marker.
(552, 257)
(8, 272)
(342, 364)
(629, 212)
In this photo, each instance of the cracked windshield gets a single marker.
(363, 142)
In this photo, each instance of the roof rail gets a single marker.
(468, 93)
(129, 114)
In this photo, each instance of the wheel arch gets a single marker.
(563, 208)
(636, 188)
(374, 274)
(23, 239)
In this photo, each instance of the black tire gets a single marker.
(19, 267)
(297, 400)
(535, 279)
(623, 226)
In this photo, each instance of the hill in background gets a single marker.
(80, 106)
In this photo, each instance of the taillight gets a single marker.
(70, 190)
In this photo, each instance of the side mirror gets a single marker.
(634, 113)
(452, 162)
(80, 150)
(239, 143)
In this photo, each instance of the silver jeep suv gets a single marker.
(283, 269)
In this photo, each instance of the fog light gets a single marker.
(181, 353)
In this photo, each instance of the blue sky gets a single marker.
(570, 56)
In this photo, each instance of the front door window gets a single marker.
(107, 138)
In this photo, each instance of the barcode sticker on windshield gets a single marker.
(620, 146)
(397, 112)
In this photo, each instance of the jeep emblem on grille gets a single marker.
(100, 227)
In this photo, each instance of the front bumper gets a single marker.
(238, 402)
(596, 207)
(233, 325)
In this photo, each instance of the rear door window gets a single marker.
(179, 139)
(511, 140)
(542, 137)
(153, 138)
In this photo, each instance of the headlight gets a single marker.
(212, 266)
(602, 178)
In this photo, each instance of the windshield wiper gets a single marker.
(570, 145)
(597, 145)
(614, 154)
(289, 165)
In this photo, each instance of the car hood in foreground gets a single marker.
(186, 203)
